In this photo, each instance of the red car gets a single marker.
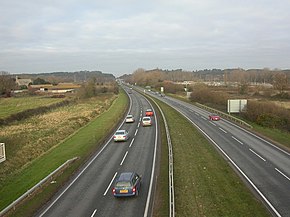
(149, 112)
(214, 117)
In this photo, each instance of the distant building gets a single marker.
(59, 88)
(23, 82)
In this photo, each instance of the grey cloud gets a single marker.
(120, 36)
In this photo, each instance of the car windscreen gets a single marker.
(119, 133)
(146, 119)
(123, 184)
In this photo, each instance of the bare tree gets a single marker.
(7, 83)
(280, 82)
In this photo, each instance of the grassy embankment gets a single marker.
(205, 185)
(81, 143)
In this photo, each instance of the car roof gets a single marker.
(121, 131)
(129, 116)
(149, 109)
(146, 117)
(127, 176)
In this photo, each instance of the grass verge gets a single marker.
(205, 184)
(161, 205)
(283, 138)
(82, 144)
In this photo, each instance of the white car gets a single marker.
(121, 135)
(130, 119)
(146, 121)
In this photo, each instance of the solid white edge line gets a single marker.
(110, 184)
(94, 213)
(259, 156)
(74, 180)
(235, 165)
(282, 174)
(124, 158)
(94, 158)
(170, 165)
(153, 166)
(237, 140)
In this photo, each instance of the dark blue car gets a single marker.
(127, 184)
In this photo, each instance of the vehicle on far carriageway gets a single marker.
(214, 117)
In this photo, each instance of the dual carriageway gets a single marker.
(262, 165)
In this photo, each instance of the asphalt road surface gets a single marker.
(90, 192)
(264, 166)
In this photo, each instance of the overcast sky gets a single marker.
(120, 36)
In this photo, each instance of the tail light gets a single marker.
(114, 190)
(134, 189)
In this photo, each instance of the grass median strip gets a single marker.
(81, 144)
(205, 185)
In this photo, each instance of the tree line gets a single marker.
(280, 79)
(103, 82)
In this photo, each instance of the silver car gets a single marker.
(130, 119)
(121, 135)
(146, 121)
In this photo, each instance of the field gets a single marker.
(9, 106)
(205, 185)
(63, 133)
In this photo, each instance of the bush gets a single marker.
(268, 120)
(203, 94)
(283, 95)
(268, 114)
(172, 88)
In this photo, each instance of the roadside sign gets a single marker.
(2, 152)
(236, 105)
